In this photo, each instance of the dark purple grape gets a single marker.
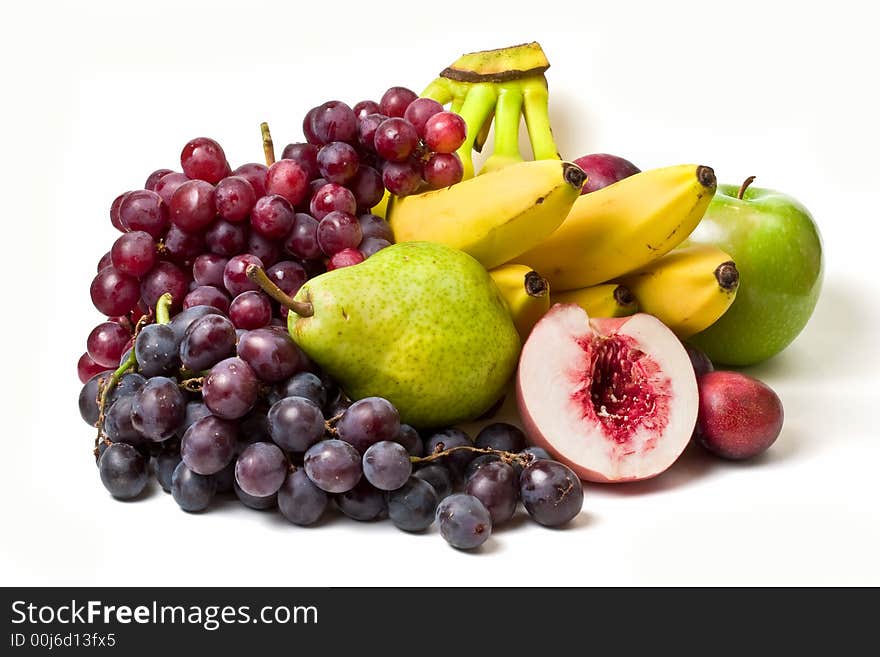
(299, 500)
(155, 177)
(234, 198)
(184, 319)
(254, 428)
(306, 155)
(367, 187)
(551, 492)
(114, 293)
(261, 469)
(496, 485)
(464, 521)
(332, 121)
(536, 453)
(208, 269)
(410, 439)
(253, 502)
(301, 384)
(363, 502)
(395, 101)
(207, 295)
(181, 246)
(368, 421)
(333, 465)
(165, 464)
(134, 253)
(192, 207)
(208, 445)
(272, 354)
(225, 479)
(195, 410)
(117, 423)
(164, 277)
(332, 197)
(144, 210)
(338, 162)
(367, 130)
(192, 492)
(295, 423)
(302, 241)
(235, 277)
(202, 158)
(449, 438)
(272, 217)
(372, 245)
(338, 231)
(478, 463)
(206, 342)
(265, 249)
(88, 397)
(158, 409)
(168, 184)
(231, 389)
(123, 471)
(250, 310)
(365, 107)
(402, 178)
(386, 465)
(156, 350)
(255, 174)
(288, 179)
(501, 436)
(224, 238)
(128, 384)
(419, 111)
(438, 476)
(374, 226)
(411, 507)
(395, 140)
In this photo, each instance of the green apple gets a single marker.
(778, 251)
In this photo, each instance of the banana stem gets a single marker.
(438, 90)
(537, 117)
(476, 108)
(268, 146)
(507, 114)
(258, 276)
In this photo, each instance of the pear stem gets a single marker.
(258, 276)
(742, 190)
(268, 146)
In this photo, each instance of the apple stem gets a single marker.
(508, 457)
(258, 276)
(268, 146)
(742, 190)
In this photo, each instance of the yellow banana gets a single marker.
(624, 226)
(687, 289)
(493, 217)
(526, 293)
(605, 300)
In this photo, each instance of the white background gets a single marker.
(97, 95)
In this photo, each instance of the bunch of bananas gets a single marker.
(612, 251)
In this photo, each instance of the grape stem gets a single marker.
(258, 276)
(508, 457)
(193, 385)
(268, 146)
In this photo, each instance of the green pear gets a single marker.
(418, 323)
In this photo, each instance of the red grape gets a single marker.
(395, 101)
(265, 249)
(332, 197)
(289, 179)
(272, 216)
(105, 261)
(115, 219)
(192, 206)
(372, 245)
(168, 184)
(366, 129)
(288, 275)
(308, 130)
(144, 210)
(332, 121)
(373, 226)
(155, 177)
(134, 253)
(445, 132)
(86, 368)
(442, 170)
(395, 140)
(255, 174)
(226, 239)
(235, 277)
(164, 277)
(367, 187)
(345, 258)
(234, 198)
(338, 162)
(302, 241)
(106, 343)
(419, 111)
(250, 310)
(402, 178)
(272, 354)
(203, 159)
(338, 231)
(306, 155)
(207, 295)
(182, 246)
(364, 108)
(231, 389)
(114, 293)
(208, 269)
